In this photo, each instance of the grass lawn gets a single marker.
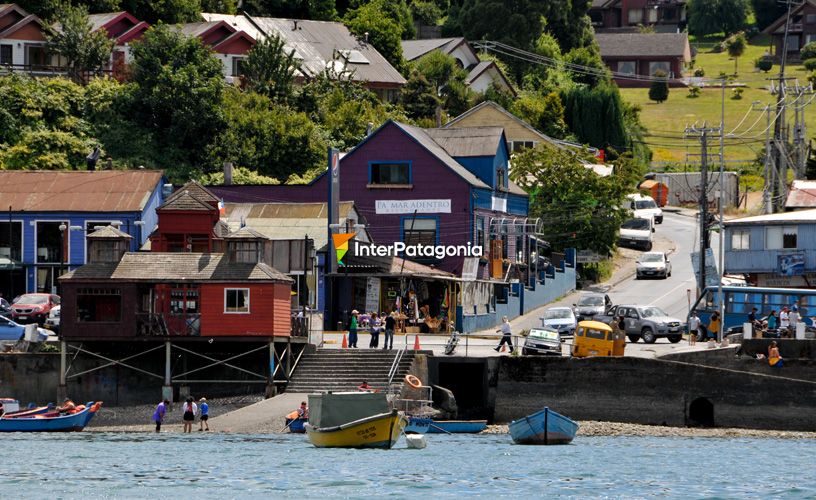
(671, 117)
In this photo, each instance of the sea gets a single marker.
(219, 465)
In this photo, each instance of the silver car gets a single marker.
(646, 322)
(542, 341)
(653, 265)
(560, 319)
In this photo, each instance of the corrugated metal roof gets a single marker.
(175, 267)
(77, 191)
(643, 44)
(805, 216)
(414, 49)
(470, 141)
(318, 45)
(196, 29)
(246, 233)
(802, 194)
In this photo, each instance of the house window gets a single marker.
(740, 240)
(238, 66)
(11, 240)
(809, 38)
(5, 54)
(52, 244)
(99, 305)
(810, 19)
(391, 174)
(236, 300)
(500, 181)
(504, 243)
(664, 66)
(419, 231)
(627, 67)
(652, 15)
(780, 237)
(669, 14)
(520, 145)
(793, 43)
(36, 57)
(480, 231)
(635, 16)
(244, 252)
(184, 301)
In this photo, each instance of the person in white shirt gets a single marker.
(190, 409)
(506, 335)
(693, 328)
(793, 318)
(784, 321)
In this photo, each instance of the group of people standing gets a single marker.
(784, 324)
(189, 412)
(374, 323)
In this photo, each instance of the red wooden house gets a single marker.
(189, 221)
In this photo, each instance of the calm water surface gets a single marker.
(269, 466)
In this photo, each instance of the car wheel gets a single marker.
(649, 246)
(648, 336)
(675, 338)
(637, 276)
(633, 338)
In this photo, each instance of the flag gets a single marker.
(221, 208)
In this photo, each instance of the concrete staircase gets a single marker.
(345, 369)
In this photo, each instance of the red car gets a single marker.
(33, 307)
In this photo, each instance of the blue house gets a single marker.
(774, 250)
(46, 217)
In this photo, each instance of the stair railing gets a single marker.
(395, 366)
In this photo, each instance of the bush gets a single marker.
(659, 90)
(764, 63)
(810, 64)
(811, 78)
(737, 93)
(693, 92)
(808, 51)
(699, 72)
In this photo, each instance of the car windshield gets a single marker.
(644, 204)
(591, 301)
(544, 334)
(636, 224)
(558, 314)
(652, 312)
(652, 257)
(31, 298)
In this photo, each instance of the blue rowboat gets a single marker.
(543, 427)
(295, 425)
(47, 423)
(420, 425)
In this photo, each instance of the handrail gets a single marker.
(395, 365)
(294, 365)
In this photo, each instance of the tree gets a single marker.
(596, 116)
(578, 208)
(445, 75)
(659, 89)
(317, 10)
(270, 71)
(219, 6)
(167, 11)
(86, 51)
(418, 97)
(543, 112)
(370, 23)
(736, 45)
(178, 93)
(767, 11)
(270, 139)
(426, 12)
(587, 57)
(706, 17)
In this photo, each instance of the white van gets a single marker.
(637, 233)
(644, 207)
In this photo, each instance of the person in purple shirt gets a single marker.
(158, 415)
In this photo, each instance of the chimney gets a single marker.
(366, 36)
(228, 173)
(369, 128)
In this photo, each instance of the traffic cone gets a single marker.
(504, 348)
(344, 345)
(416, 343)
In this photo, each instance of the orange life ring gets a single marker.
(413, 381)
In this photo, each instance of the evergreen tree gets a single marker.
(659, 89)
(270, 71)
(706, 17)
(419, 97)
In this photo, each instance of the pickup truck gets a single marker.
(646, 322)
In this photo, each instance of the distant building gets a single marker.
(801, 31)
(774, 250)
(801, 195)
(621, 15)
(47, 217)
(323, 46)
(642, 54)
(481, 74)
(231, 46)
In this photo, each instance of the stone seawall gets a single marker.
(654, 392)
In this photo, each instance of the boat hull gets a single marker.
(377, 431)
(544, 427)
(296, 425)
(43, 423)
(457, 426)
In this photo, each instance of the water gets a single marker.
(274, 466)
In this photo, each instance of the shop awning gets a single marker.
(390, 267)
(9, 264)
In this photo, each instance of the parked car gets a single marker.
(637, 233)
(646, 322)
(53, 321)
(33, 307)
(644, 207)
(653, 265)
(542, 341)
(11, 331)
(560, 319)
(591, 304)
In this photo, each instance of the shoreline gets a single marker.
(587, 429)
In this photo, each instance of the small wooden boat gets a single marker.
(51, 422)
(457, 426)
(543, 427)
(377, 431)
(296, 425)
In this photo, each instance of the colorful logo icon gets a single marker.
(341, 245)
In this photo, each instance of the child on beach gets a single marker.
(190, 410)
(203, 424)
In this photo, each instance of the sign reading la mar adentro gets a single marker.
(411, 206)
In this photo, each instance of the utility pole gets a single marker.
(705, 242)
(766, 192)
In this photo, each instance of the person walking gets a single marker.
(793, 317)
(158, 415)
(203, 424)
(693, 328)
(390, 325)
(714, 326)
(190, 410)
(506, 335)
(376, 324)
(352, 328)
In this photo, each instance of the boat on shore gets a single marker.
(420, 425)
(543, 427)
(376, 431)
(296, 425)
(50, 421)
